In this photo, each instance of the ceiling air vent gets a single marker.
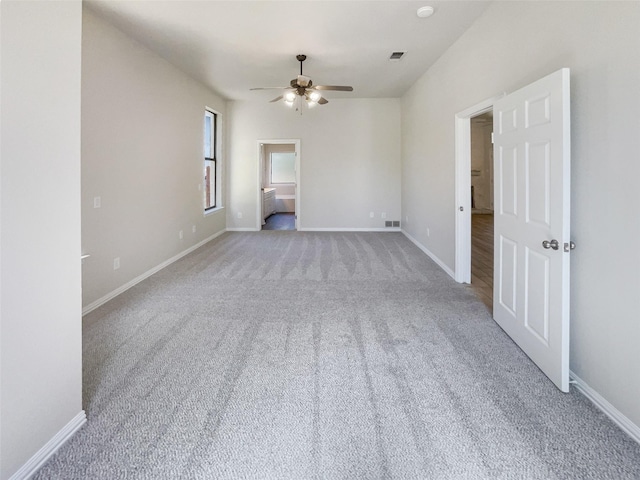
(396, 56)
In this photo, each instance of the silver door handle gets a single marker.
(551, 244)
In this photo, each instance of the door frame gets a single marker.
(462, 271)
(277, 141)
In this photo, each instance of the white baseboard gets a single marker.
(101, 301)
(243, 229)
(34, 463)
(382, 229)
(430, 254)
(609, 410)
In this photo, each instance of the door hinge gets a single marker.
(492, 138)
(568, 246)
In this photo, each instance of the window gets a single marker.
(283, 167)
(210, 159)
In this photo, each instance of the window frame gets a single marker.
(213, 185)
(271, 182)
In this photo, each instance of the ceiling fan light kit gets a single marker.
(301, 90)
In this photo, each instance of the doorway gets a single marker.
(463, 194)
(279, 184)
(531, 220)
(481, 130)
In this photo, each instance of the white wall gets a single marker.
(349, 161)
(41, 358)
(511, 45)
(142, 154)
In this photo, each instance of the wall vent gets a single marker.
(396, 223)
(396, 55)
(388, 223)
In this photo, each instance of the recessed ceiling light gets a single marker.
(424, 12)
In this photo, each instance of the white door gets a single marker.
(532, 244)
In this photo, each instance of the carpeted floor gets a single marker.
(295, 355)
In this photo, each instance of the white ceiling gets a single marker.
(232, 46)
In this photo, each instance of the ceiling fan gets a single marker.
(302, 88)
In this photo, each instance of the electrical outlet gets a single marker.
(406, 219)
(239, 214)
(193, 228)
(116, 263)
(180, 234)
(428, 232)
(383, 215)
(97, 202)
(371, 214)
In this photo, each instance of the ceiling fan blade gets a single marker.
(340, 88)
(277, 99)
(323, 101)
(270, 88)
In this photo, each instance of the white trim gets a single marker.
(285, 197)
(463, 186)
(34, 463)
(382, 229)
(430, 254)
(243, 229)
(101, 301)
(609, 410)
(206, 213)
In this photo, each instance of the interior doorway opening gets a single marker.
(481, 130)
(478, 200)
(279, 184)
(531, 269)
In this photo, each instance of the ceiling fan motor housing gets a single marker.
(304, 81)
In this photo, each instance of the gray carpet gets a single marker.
(291, 355)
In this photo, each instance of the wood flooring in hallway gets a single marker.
(482, 257)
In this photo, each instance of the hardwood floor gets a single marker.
(482, 257)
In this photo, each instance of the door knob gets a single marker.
(550, 244)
